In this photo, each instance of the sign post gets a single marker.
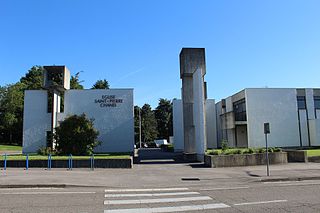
(266, 132)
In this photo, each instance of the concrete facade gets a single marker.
(293, 115)
(112, 111)
(240, 117)
(211, 129)
(192, 71)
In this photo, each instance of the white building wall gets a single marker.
(178, 126)
(211, 126)
(218, 123)
(314, 132)
(36, 120)
(114, 123)
(310, 104)
(279, 108)
(303, 121)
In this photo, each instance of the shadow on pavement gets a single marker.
(156, 156)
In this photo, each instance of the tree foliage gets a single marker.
(33, 79)
(75, 82)
(76, 135)
(163, 115)
(148, 124)
(101, 84)
(136, 124)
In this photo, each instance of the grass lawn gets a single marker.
(313, 152)
(10, 148)
(41, 157)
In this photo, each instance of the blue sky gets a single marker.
(136, 44)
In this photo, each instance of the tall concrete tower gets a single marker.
(192, 72)
(56, 79)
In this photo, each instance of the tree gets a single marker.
(76, 135)
(101, 84)
(148, 124)
(11, 112)
(163, 114)
(33, 80)
(136, 124)
(75, 82)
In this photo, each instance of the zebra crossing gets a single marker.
(151, 200)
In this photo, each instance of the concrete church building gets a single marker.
(111, 109)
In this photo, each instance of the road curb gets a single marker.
(13, 186)
(288, 179)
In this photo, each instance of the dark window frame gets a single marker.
(316, 100)
(240, 111)
(301, 102)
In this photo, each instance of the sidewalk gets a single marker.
(143, 175)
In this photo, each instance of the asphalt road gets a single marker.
(302, 196)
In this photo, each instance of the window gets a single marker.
(301, 102)
(239, 108)
(316, 102)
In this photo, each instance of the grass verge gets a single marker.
(313, 152)
(10, 148)
(55, 157)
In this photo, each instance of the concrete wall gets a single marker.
(178, 126)
(199, 114)
(211, 126)
(303, 118)
(211, 130)
(218, 123)
(279, 108)
(314, 126)
(115, 123)
(36, 120)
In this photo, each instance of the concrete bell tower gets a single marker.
(56, 79)
(192, 72)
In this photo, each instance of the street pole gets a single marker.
(139, 128)
(267, 155)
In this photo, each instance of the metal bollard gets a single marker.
(27, 162)
(92, 162)
(49, 162)
(5, 161)
(70, 162)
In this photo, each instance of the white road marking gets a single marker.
(43, 193)
(160, 200)
(228, 188)
(146, 190)
(170, 209)
(152, 194)
(261, 202)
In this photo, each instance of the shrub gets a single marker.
(248, 151)
(277, 149)
(224, 145)
(76, 135)
(45, 151)
(213, 152)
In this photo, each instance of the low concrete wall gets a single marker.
(314, 159)
(245, 159)
(297, 156)
(98, 163)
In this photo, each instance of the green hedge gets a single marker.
(238, 151)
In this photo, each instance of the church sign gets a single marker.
(108, 101)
